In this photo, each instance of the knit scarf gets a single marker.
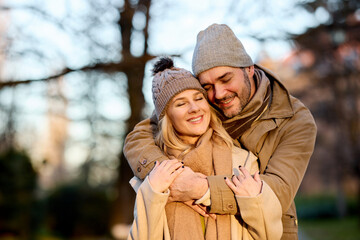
(210, 156)
(258, 104)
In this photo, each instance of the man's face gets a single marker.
(228, 88)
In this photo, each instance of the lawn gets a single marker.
(331, 229)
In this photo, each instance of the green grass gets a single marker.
(331, 229)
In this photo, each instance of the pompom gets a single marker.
(162, 64)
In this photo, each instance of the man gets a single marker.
(256, 110)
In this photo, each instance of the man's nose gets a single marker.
(220, 92)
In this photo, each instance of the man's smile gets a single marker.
(226, 102)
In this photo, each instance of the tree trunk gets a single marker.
(124, 204)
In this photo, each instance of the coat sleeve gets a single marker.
(150, 221)
(288, 163)
(261, 215)
(140, 149)
(286, 166)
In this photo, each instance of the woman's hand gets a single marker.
(245, 185)
(164, 173)
(200, 209)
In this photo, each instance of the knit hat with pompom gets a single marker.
(169, 81)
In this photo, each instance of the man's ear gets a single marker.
(250, 71)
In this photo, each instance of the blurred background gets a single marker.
(75, 79)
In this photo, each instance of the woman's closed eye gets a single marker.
(179, 104)
(199, 98)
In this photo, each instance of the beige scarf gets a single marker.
(211, 157)
(237, 125)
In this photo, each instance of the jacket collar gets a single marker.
(280, 105)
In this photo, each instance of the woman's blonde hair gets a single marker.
(167, 137)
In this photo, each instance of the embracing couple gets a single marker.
(225, 151)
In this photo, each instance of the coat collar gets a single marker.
(280, 106)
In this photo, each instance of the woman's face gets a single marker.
(189, 113)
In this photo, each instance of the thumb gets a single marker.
(257, 177)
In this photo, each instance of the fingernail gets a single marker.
(182, 162)
(225, 178)
(182, 166)
(232, 176)
(239, 166)
(155, 162)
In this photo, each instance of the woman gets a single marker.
(191, 132)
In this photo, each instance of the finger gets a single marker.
(212, 215)
(230, 184)
(197, 208)
(176, 173)
(163, 163)
(174, 160)
(200, 210)
(245, 172)
(171, 167)
(257, 177)
(237, 179)
(166, 164)
(202, 207)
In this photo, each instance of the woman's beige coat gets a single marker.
(260, 215)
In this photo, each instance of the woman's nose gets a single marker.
(193, 107)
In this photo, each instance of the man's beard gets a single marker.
(243, 99)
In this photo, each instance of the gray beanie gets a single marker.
(169, 81)
(216, 46)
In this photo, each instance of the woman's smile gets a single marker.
(196, 120)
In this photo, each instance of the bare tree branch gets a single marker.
(103, 67)
(4, 8)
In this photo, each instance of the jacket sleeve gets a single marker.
(286, 166)
(221, 196)
(288, 163)
(140, 149)
(150, 221)
(261, 215)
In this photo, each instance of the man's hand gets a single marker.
(188, 186)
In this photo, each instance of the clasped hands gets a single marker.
(187, 186)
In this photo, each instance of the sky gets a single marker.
(173, 29)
